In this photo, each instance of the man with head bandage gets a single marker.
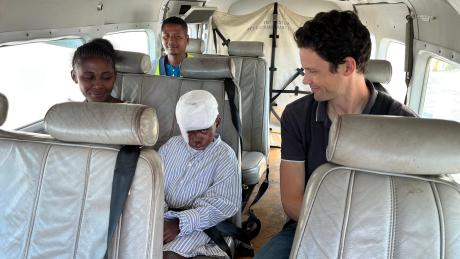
(202, 182)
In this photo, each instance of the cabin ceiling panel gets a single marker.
(26, 15)
(133, 11)
(438, 23)
(22, 15)
(375, 17)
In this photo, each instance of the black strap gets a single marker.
(221, 36)
(162, 64)
(253, 225)
(125, 168)
(299, 72)
(217, 238)
(230, 89)
(242, 241)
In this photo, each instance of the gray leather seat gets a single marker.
(162, 93)
(129, 63)
(133, 63)
(384, 193)
(56, 189)
(195, 47)
(3, 108)
(250, 77)
(379, 71)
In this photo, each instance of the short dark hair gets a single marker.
(177, 21)
(100, 48)
(334, 36)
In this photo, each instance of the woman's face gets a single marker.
(96, 78)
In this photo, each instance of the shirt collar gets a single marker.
(321, 110)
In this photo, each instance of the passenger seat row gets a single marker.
(390, 195)
(56, 189)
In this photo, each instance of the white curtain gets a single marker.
(258, 26)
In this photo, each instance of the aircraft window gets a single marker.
(137, 41)
(442, 92)
(204, 34)
(395, 53)
(35, 76)
(374, 46)
(192, 30)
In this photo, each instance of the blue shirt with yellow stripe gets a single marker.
(166, 69)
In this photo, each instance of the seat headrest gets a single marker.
(207, 68)
(103, 123)
(3, 108)
(401, 145)
(379, 71)
(246, 48)
(195, 46)
(133, 62)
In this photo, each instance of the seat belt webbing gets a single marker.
(123, 176)
(230, 89)
(409, 58)
(243, 245)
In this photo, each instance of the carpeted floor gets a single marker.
(268, 209)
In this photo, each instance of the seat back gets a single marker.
(379, 72)
(195, 47)
(56, 190)
(383, 194)
(250, 76)
(129, 63)
(162, 93)
(3, 108)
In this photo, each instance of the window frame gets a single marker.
(426, 76)
(152, 42)
(37, 125)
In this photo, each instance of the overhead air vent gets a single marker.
(180, 8)
(198, 14)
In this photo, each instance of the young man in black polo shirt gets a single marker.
(334, 48)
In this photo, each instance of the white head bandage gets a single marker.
(196, 110)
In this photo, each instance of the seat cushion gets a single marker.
(350, 213)
(253, 164)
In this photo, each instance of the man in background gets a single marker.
(174, 38)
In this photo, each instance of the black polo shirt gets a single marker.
(305, 126)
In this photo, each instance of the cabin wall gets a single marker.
(443, 30)
(26, 15)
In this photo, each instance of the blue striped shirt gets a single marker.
(206, 186)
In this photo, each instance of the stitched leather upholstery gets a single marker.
(250, 76)
(356, 208)
(133, 62)
(162, 93)
(379, 71)
(56, 195)
(195, 46)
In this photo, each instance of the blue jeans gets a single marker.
(279, 247)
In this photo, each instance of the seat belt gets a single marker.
(162, 65)
(409, 58)
(230, 89)
(252, 225)
(243, 245)
(123, 176)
